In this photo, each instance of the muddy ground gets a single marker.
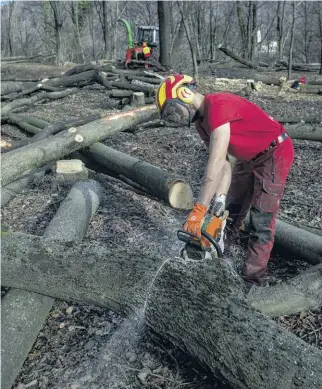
(83, 346)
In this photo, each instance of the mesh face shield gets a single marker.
(175, 113)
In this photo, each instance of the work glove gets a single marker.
(219, 206)
(213, 226)
(195, 220)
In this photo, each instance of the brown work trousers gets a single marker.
(259, 186)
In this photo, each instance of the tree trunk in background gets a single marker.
(242, 28)
(105, 30)
(290, 54)
(58, 23)
(90, 18)
(254, 32)
(280, 27)
(192, 49)
(320, 27)
(164, 26)
(11, 6)
(180, 33)
(79, 55)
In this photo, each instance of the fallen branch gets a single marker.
(33, 99)
(305, 131)
(311, 89)
(237, 58)
(21, 161)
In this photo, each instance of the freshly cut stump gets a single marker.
(180, 195)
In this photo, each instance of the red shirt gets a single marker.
(251, 129)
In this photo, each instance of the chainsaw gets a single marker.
(193, 249)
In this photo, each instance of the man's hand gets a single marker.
(195, 220)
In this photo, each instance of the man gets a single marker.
(231, 124)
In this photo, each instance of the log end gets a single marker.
(181, 196)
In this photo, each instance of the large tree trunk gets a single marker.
(164, 31)
(199, 306)
(159, 183)
(311, 89)
(21, 161)
(23, 313)
(290, 53)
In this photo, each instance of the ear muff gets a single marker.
(185, 94)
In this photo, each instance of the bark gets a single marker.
(11, 190)
(237, 58)
(21, 161)
(100, 78)
(143, 84)
(20, 122)
(301, 293)
(197, 306)
(33, 99)
(159, 183)
(305, 131)
(77, 39)
(29, 91)
(303, 67)
(317, 80)
(23, 313)
(311, 89)
(164, 31)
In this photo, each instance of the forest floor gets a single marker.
(84, 346)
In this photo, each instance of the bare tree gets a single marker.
(75, 16)
(280, 27)
(320, 31)
(105, 29)
(56, 7)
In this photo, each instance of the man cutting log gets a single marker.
(229, 124)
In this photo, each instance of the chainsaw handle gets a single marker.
(185, 236)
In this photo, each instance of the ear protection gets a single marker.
(185, 94)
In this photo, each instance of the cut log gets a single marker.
(136, 88)
(21, 161)
(296, 242)
(311, 89)
(159, 183)
(70, 171)
(33, 99)
(23, 313)
(137, 99)
(74, 80)
(300, 293)
(307, 119)
(302, 244)
(146, 80)
(101, 78)
(143, 84)
(268, 80)
(36, 88)
(120, 94)
(305, 131)
(81, 69)
(198, 306)
(237, 58)
(11, 190)
(317, 80)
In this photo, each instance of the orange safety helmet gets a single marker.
(174, 96)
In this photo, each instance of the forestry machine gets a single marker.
(140, 49)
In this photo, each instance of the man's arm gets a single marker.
(217, 174)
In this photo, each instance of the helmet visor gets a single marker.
(176, 114)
